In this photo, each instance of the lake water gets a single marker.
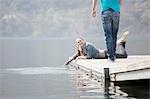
(60, 83)
(30, 52)
(37, 83)
(31, 68)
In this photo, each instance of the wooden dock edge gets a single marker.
(106, 76)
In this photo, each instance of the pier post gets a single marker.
(106, 81)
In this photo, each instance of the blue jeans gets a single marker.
(110, 21)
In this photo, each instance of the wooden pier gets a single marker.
(132, 68)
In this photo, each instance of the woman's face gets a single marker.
(80, 42)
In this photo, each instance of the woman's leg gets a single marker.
(103, 54)
(121, 45)
(122, 52)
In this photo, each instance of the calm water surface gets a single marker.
(58, 83)
(37, 83)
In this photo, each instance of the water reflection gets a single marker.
(56, 82)
(37, 70)
(90, 87)
(139, 89)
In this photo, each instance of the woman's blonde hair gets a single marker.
(78, 51)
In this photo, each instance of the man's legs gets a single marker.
(110, 33)
(115, 27)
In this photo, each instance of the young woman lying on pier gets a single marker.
(85, 50)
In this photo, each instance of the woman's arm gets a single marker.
(69, 60)
(72, 58)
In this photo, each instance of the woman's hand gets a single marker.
(69, 60)
(81, 57)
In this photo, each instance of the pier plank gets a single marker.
(133, 64)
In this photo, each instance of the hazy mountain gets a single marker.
(66, 18)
